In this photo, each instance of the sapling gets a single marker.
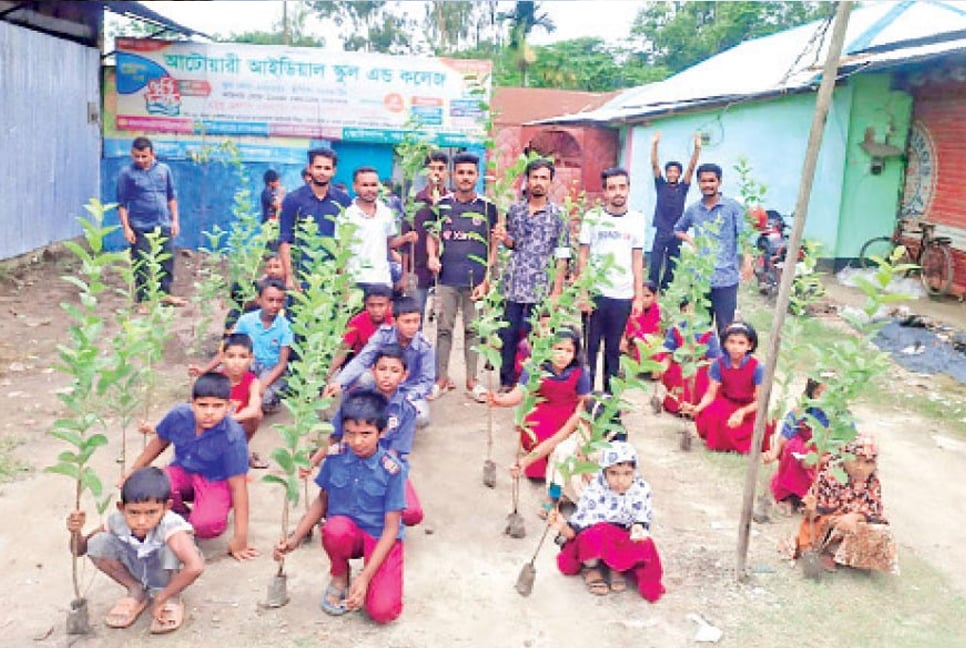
(692, 288)
(82, 360)
(321, 311)
(210, 285)
(154, 320)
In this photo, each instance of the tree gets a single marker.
(676, 35)
(375, 27)
(589, 64)
(524, 18)
(298, 31)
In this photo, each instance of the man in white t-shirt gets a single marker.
(373, 228)
(613, 232)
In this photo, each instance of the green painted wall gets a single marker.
(772, 135)
(870, 202)
(848, 204)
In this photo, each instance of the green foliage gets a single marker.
(210, 287)
(295, 25)
(320, 312)
(677, 35)
(373, 26)
(851, 365)
(92, 373)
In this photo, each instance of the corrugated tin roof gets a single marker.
(879, 34)
(515, 106)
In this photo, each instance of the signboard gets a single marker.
(272, 91)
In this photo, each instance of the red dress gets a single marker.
(678, 389)
(241, 392)
(794, 477)
(612, 544)
(560, 395)
(736, 390)
(647, 323)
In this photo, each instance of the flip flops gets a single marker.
(334, 609)
(125, 612)
(172, 616)
(479, 393)
(595, 582)
(438, 390)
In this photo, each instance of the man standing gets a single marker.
(536, 232)
(728, 217)
(459, 254)
(317, 200)
(614, 236)
(672, 191)
(415, 256)
(147, 202)
(372, 228)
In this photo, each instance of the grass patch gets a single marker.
(915, 609)
(10, 466)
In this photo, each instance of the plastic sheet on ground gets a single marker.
(920, 350)
(910, 286)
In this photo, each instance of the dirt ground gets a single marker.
(460, 568)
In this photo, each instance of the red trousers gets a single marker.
(342, 539)
(613, 545)
(413, 514)
(211, 501)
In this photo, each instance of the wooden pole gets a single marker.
(823, 102)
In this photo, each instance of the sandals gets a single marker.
(479, 393)
(172, 616)
(618, 582)
(438, 390)
(255, 461)
(333, 609)
(125, 612)
(594, 580)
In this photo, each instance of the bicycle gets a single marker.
(933, 257)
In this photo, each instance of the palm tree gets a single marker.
(523, 19)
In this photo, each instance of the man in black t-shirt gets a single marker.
(461, 257)
(672, 191)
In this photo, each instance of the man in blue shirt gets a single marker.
(672, 190)
(728, 215)
(146, 202)
(318, 200)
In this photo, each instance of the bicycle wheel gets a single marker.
(880, 247)
(937, 269)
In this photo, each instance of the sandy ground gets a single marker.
(460, 568)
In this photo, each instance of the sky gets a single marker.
(608, 19)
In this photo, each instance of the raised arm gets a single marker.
(693, 162)
(655, 162)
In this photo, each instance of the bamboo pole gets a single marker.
(823, 102)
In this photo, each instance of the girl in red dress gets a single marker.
(646, 324)
(794, 476)
(609, 533)
(693, 388)
(563, 386)
(725, 417)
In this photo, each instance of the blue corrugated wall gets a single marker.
(49, 150)
(206, 191)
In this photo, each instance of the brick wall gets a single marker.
(936, 169)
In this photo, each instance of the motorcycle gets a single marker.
(772, 246)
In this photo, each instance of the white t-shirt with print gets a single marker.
(370, 248)
(606, 233)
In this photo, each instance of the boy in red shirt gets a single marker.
(377, 311)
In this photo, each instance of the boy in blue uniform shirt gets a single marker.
(210, 464)
(362, 499)
(419, 354)
(389, 371)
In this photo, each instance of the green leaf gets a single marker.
(92, 482)
(275, 479)
(70, 470)
(284, 459)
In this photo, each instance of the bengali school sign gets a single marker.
(266, 90)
